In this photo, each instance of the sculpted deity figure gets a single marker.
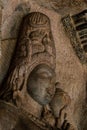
(30, 81)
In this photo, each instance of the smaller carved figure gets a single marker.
(55, 114)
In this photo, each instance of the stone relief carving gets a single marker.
(60, 5)
(30, 84)
(76, 27)
(56, 114)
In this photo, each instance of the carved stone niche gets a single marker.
(30, 81)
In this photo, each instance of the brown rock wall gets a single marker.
(70, 72)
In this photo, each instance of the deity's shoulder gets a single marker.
(12, 119)
(8, 116)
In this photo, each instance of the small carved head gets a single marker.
(59, 102)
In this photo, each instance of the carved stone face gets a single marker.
(41, 84)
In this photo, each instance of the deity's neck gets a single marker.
(32, 107)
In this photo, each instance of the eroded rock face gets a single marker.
(70, 71)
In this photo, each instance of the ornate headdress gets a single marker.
(35, 43)
(35, 46)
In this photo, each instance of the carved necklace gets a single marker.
(36, 120)
(25, 115)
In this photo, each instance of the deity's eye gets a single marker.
(43, 75)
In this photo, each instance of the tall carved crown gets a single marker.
(35, 42)
(35, 46)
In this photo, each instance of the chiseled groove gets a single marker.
(81, 27)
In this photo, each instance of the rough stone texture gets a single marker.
(0, 28)
(7, 47)
(71, 74)
(62, 6)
